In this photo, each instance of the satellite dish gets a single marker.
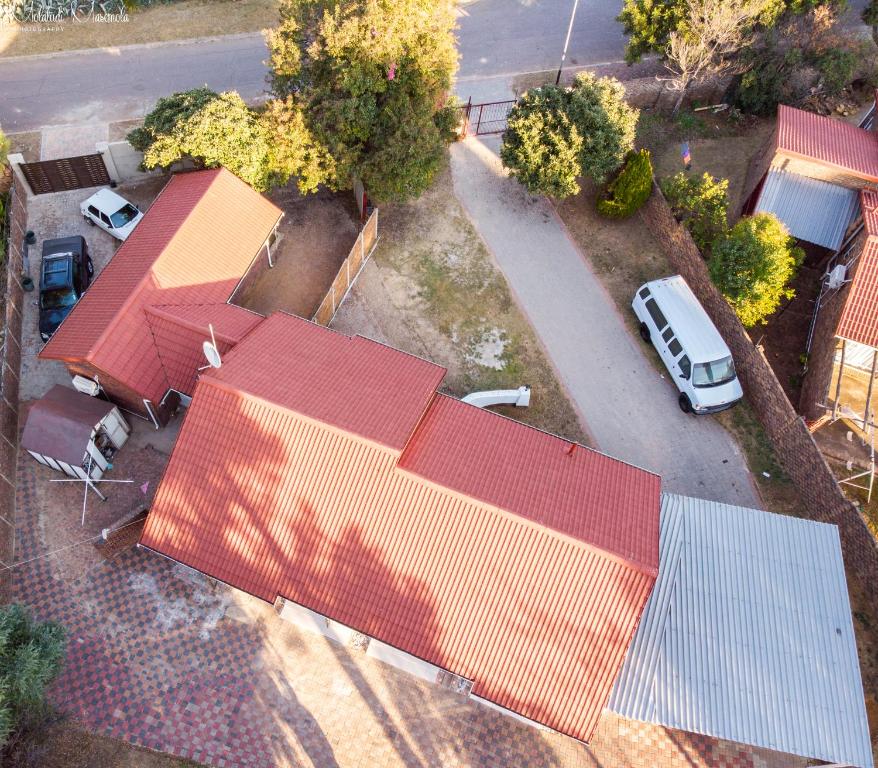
(211, 351)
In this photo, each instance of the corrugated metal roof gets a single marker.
(276, 494)
(859, 318)
(815, 211)
(833, 143)
(192, 246)
(748, 635)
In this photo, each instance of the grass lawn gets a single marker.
(432, 289)
(64, 745)
(174, 21)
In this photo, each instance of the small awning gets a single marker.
(59, 425)
(814, 211)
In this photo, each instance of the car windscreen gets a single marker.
(57, 299)
(125, 214)
(713, 374)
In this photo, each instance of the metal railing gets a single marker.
(487, 118)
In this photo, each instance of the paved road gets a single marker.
(497, 38)
(630, 411)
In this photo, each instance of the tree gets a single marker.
(699, 204)
(649, 23)
(752, 265)
(555, 135)
(5, 146)
(541, 146)
(212, 129)
(870, 17)
(367, 82)
(627, 193)
(31, 655)
(707, 44)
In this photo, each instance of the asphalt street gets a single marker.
(498, 38)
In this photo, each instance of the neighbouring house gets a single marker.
(819, 176)
(139, 329)
(748, 635)
(327, 475)
(74, 433)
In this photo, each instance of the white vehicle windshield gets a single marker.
(713, 374)
(125, 214)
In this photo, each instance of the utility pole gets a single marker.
(566, 41)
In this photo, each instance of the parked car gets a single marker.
(688, 342)
(65, 273)
(112, 213)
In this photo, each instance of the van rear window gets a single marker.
(644, 293)
(656, 314)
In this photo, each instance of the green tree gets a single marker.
(650, 23)
(212, 129)
(555, 135)
(367, 84)
(627, 193)
(31, 655)
(541, 146)
(752, 265)
(5, 146)
(699, 204)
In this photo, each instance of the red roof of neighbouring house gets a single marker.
(859, 318)
(829, 142)
(329, 471)
(193, 246)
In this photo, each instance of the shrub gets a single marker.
(769, 80)
(554, 135)
(752, 264)
(627, 193)
(5, 145)
(541, 146)
(836, 66)
(30, 656)
(699, 204)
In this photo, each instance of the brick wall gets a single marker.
(822, 498)
(10, 366)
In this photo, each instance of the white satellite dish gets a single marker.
(211, 352)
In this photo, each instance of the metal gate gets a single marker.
(66, 173)
(482, 119)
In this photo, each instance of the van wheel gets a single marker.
(88, 219)
(644, 332)
(685, 403)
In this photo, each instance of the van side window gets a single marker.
(668, 334)
(674, 347)
(656, 314)
(644, 293)
(685, 366)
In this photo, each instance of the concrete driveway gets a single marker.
(628, 407)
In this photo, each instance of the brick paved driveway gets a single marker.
(161, 657)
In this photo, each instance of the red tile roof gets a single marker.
(519, 566)
(859, 318)
(192, 247)
(827, 141)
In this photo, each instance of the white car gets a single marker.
(112, 213)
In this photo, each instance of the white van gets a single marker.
(695, 354)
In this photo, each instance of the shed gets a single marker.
(72, 432)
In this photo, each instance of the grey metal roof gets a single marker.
(748, 635)
(815, 211)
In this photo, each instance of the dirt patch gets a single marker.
(432, 289)
(315, 237)
(161, 22)
(119, 131)
(27, 143)
(71, 747)
(718, 145)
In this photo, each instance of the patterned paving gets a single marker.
(166, 659)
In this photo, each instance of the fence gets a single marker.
(822, 498)
(350, 269)
(868, 121)
(484, 119)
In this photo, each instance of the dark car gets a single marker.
(65, 273)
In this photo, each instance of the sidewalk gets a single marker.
(629, 409)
